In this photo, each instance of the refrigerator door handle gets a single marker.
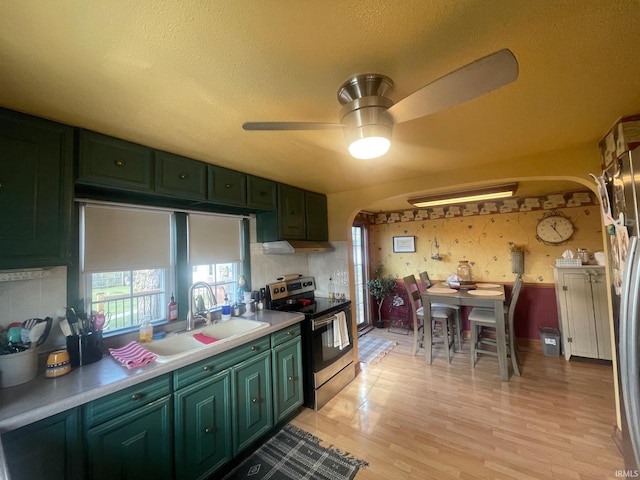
(629, 355)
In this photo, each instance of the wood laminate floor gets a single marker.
(414, 421)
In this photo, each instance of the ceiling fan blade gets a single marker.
(290, 126)
(464, 84)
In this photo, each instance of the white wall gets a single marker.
(34, 298)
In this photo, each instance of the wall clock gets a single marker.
(554, 229)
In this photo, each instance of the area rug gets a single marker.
(371, 349)
(293, 454)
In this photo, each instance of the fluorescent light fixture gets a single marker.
(472, 195)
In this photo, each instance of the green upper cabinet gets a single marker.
(110, 162)
(261, 193)
(291, 213)
(36, 161)
(180, 176)
(316, 215)
(227, 187)
(301, 215)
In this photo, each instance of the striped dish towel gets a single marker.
(133, 355)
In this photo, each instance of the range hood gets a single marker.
(295, 246)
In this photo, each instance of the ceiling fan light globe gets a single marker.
(370, 147)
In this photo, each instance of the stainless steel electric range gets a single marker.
(327, 366)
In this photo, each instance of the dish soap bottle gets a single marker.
(172, 314)
(332, 289)
(146, 330)
(226, 308)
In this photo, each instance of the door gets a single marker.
(630, 359)
(252, 400)
(134, 445)
(203, 426)
(581, 334)
(360, 306)
(50, 449)
(324, 347)
(287, 378)
(36, 159)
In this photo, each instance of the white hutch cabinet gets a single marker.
(581, 294)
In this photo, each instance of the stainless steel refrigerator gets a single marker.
(619, 188)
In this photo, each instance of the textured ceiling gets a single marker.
(184, 75)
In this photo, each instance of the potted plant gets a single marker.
(380, 287)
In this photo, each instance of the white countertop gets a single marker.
(43, 397)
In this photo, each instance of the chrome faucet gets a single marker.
(191, 316)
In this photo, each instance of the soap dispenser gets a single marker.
(146, 330)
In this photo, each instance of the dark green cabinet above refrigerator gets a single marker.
(36, 158)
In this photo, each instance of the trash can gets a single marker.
(550, 339)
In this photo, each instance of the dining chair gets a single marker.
(483, 323)
(441, 319)
(426, 283)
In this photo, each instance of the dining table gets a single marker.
(479, 295)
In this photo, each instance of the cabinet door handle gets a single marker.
(255, 348)
(290, 332)
(183, 176)
(227, 185)
(136, 396)
(255, 400)
(207, 368)
(119, 163)
(209, 430)
(290, 379)
(263, 194)
(1, 185)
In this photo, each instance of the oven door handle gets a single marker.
(318, 324)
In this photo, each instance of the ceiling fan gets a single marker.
(367, 115)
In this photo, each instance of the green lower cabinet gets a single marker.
(252, 400)
(49, 448)
(136, 445)
(203, 426)
(287, 378)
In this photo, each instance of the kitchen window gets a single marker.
(126, 297)
(128, 260)
(127, 263)
(223, 278)
(215, 255)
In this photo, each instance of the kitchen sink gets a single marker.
(182, 344)
(233, 328)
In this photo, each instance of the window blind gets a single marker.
(213, 239)
(117, 238)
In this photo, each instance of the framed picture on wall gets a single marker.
(404, 244)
